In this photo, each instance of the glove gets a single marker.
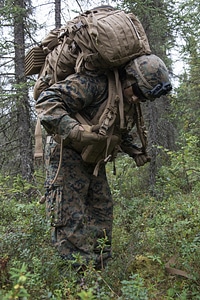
(137, 153)
(141, 159)
(79, 134)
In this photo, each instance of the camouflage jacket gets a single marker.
(58, 104)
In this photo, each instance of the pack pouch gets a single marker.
(107, 38)
(100, 151)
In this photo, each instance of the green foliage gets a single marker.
(147, 232)
(102, 244)
(183, 173)
(150, 230)
(188, 14)
(18, 278)
(133, 289)
(86, 295)
(11, 10)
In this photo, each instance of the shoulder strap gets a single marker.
(106, 115)
(104, 120)
(57, 59)
(114, 104)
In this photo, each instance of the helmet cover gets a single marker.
(150, 74)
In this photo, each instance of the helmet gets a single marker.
(148, 76)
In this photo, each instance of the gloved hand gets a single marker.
(141, 159)
(139, 155)
(79, 134)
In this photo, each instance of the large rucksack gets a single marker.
(99, 39)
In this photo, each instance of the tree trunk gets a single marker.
(58, 13)
(161, 133)
(22, 98)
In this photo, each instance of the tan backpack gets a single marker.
(99, 39)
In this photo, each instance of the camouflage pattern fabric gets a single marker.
(147, 71)
(57, 105)
(79, 205)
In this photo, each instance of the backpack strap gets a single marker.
(82, 119)
(141, 129)
(121, 101)
(57, 59)
(106, 115)
(104, 120)
(38, 155)
(114, 104)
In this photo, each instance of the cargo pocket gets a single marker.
(50, 149)
(54, 185)
(55, 206)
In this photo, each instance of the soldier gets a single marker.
(79, 203)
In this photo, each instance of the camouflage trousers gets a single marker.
(79, 206)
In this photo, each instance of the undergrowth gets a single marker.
(148, 231)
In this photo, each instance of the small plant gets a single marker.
(19, 278)
(103, 243)
(134, 289)
(87, 295)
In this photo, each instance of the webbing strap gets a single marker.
(114, 92)
(120, 94)
(60, 163)
(104, 120)
(141, 75)
(38, 155)
(141, 127)
(82, 120)
(57, 59)
(91, 21)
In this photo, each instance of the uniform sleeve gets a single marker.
(128, 145)
(58, 104)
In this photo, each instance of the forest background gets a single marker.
(156, 234)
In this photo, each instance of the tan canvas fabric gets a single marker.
(98, 39)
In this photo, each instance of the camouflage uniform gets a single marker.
(79, 204)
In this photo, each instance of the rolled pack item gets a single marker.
(34, 60)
